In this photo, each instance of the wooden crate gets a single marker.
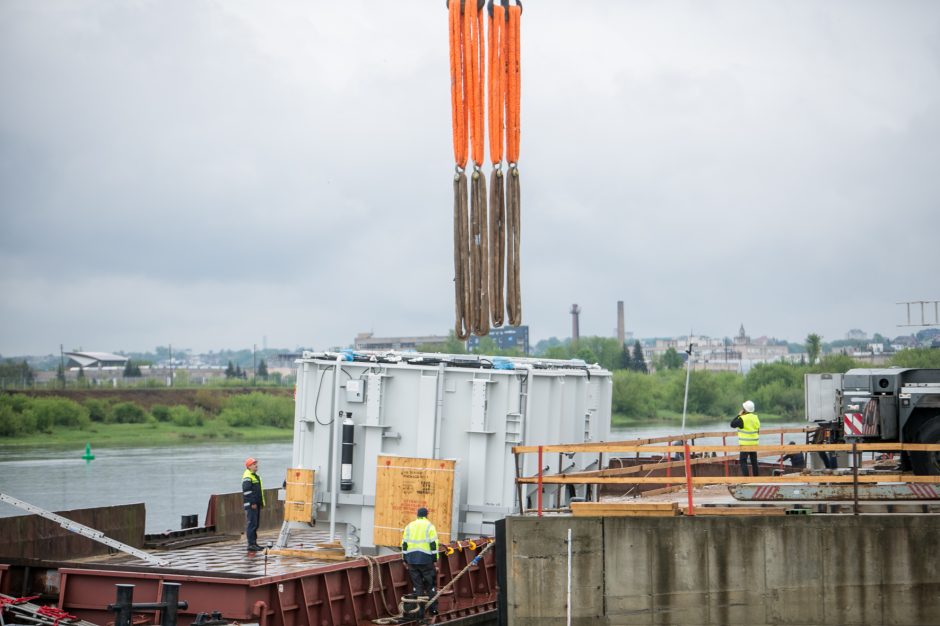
(624, 509)
(298, 499)
(402, 485)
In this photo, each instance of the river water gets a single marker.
(177, 481)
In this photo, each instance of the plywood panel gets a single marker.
(298, 500)
(402, 485)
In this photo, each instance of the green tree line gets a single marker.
(23, 415)
(777, 389)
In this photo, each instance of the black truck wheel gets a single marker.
(927, 463)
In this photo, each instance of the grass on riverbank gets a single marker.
(147, 435)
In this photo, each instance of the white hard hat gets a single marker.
(748, 406)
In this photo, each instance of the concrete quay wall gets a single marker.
(796, 570)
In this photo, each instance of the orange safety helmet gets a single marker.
(249, 462)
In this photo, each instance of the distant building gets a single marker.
(367, 341)
(95, 360)
(736, 355)
(506, 338)
(856, 335)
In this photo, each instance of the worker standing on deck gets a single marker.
(748, 425)
(419, 549)
(253, 498)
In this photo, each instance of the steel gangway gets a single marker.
(85, 531)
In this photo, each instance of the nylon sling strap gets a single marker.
(486, 243)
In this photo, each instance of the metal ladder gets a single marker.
(91, 533)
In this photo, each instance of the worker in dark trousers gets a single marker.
(797, 459)
(748, 425)
(419, 549)
(253, 499)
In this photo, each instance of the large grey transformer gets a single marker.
(353, 407)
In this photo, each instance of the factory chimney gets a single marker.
(575, 326)
(621, 336)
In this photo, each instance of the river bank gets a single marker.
(152, 434)
(161, 434)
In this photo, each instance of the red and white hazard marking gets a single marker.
(765, 492)
(924, 491)
(853, 423)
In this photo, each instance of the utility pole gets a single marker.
(254, 368)
(688, 371)
(62, 363)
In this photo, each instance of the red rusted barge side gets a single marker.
(351, 593)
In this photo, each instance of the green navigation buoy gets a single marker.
(88, 456)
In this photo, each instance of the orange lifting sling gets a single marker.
(481, 252)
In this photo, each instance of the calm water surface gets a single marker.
(172, 482)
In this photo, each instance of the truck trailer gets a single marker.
(872, 405)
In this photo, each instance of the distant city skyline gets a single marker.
(179, 350)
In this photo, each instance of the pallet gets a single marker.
(624, 509)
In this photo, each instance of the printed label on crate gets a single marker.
(402, 486)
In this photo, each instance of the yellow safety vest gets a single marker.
(419, 535)
(749, 433)
(255, 479)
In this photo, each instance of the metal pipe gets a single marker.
(260, 610)
(688, 372)
(519, 489)
(335, 461)
(439, 411)
(688, 477)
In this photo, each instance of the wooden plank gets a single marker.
(402, 485)
(736, 510)
(626, 506)
(298, 499)
(319, 555)
(624, 513)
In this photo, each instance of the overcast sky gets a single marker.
(211, 174)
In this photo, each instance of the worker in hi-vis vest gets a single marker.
(419, 550)
(748, 425)
(253, 499)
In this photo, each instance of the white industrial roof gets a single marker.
(86, 359)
